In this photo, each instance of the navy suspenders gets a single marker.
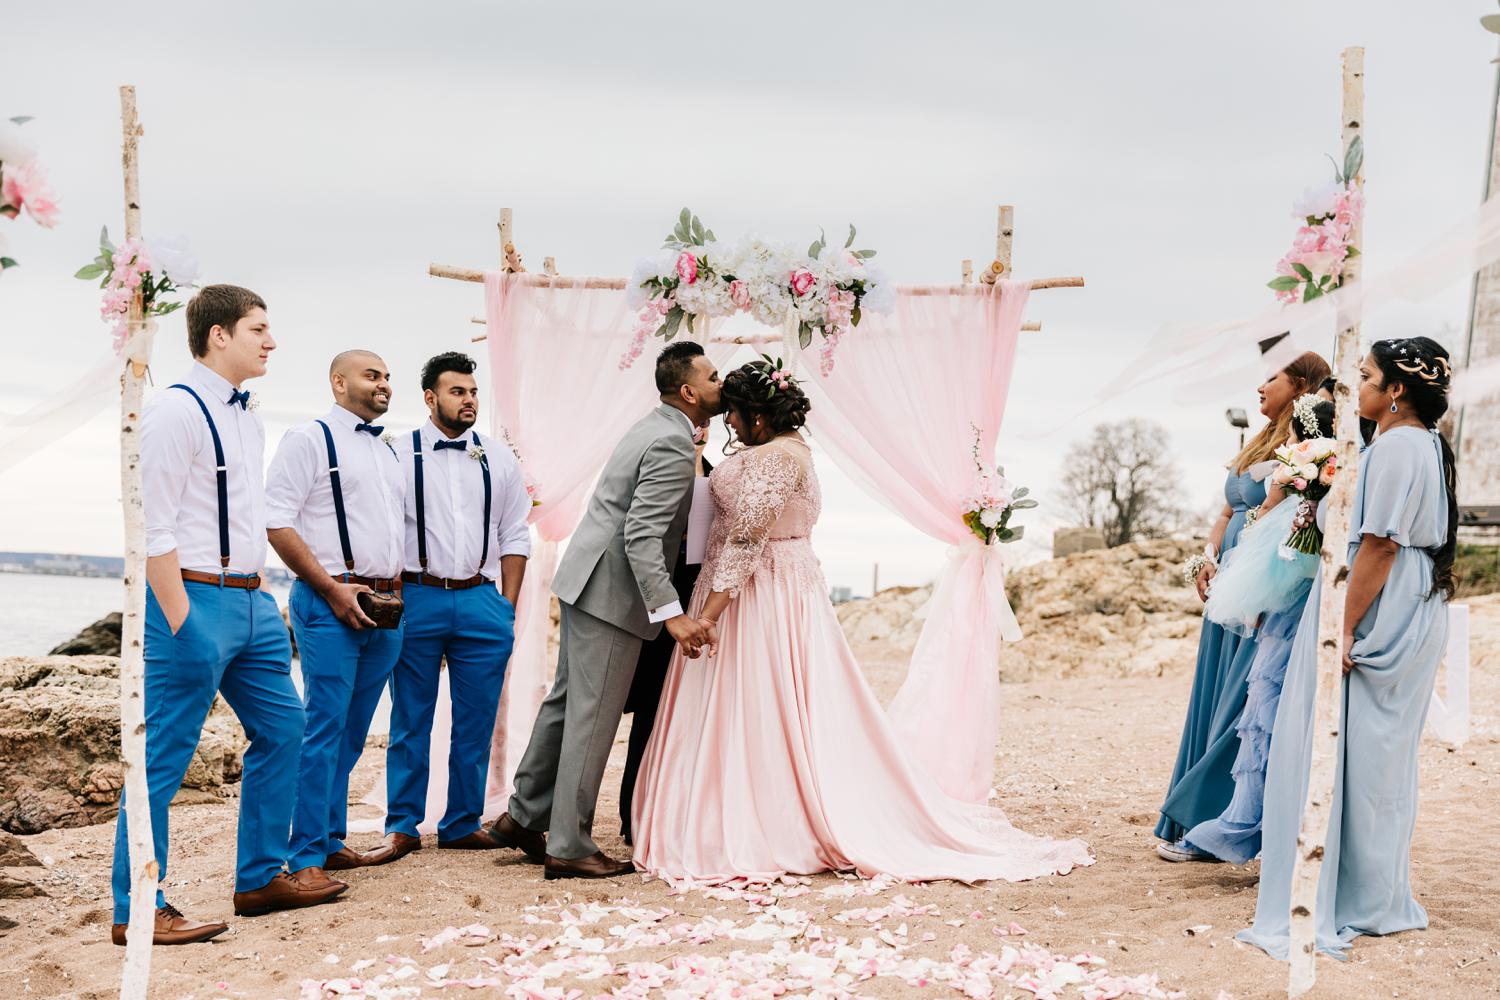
(484, 465)
(338, 498)
(220, 473)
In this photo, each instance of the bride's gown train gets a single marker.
(774, 756)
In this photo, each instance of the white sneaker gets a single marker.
(1183, 851)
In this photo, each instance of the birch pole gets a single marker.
(1313, 834)
(143, 871)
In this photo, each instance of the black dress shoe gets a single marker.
(596, 865)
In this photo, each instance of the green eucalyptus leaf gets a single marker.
(1354, 158)
(168, 307)
(1016, 534)
(850, 241)
(1491, 22)
(668, 328)
(20, 120)
(89, 272)
(711, 237)
(855, 316)
(1351, 252)
(690, 322)
(1313, 292)
(8, 262)
(804, 334)
(1283, 283)
(1302, 270)
(865, 254)
(1021, 493)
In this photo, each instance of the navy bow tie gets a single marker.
(374, 430)
(440, 445)
(239, 398)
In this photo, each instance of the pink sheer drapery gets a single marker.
(560, 398)
(899, 414)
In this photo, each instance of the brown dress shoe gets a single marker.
(172, 928)
(596, 865)
(481, 839)
(343, 859)
(288, 892)
(396, 847)
(512, 834)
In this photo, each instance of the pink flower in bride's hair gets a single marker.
(687, 267)
(783, 385)
(739, 294)
(25, 186)
(802, 280)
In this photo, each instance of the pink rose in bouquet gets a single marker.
(802, 281)
(739, 294)
(687, 267)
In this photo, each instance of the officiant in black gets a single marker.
(651, 671)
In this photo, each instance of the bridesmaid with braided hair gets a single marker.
(1402, 540)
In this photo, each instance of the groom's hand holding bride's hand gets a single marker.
(689, 634)
(710, 634)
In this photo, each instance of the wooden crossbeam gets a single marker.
(577, 281)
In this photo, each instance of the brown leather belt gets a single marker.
(446, 584)
(251, 582)
(391, 586)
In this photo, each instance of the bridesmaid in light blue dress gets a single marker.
(1402, 542)
(1202, 783)
(1260, 582)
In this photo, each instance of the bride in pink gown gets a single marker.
(771, 755)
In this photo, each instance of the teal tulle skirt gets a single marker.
(1260, 576)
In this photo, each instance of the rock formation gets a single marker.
(60, 739)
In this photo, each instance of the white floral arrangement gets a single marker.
(990, 500)
(695, 276)
(1193, 566)
(476, 452)
(252, 402)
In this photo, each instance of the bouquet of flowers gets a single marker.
(1305, 470)
(23, 185)
(128, 268)
(990, 501)
(696, 276)
(1314, 265)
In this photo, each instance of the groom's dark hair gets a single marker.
(448, 361)
(674, 365)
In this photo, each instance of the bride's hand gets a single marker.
(1204, 576)
(711, 635)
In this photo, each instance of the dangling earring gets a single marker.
(1393, 406)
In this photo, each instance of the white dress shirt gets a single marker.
(453, 505)
(299, 495)
(180, 484)
(674, 609)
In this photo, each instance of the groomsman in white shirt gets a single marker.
(210, 628)
(466, 530)
(335, 497)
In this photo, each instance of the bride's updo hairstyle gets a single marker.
(764, 389)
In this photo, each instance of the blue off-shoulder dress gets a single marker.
(1365, 886)
(1202, 784)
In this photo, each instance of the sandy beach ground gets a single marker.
(1078, 757)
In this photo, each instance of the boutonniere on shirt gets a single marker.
(476, 452)
(253, 403)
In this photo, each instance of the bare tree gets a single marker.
(1121, 480)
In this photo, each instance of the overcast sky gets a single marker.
(324, 154)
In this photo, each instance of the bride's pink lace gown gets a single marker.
(774, 756)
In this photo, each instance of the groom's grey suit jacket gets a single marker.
(619, 561)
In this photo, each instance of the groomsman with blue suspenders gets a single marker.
(466, 513)
(335, 499)
(210, 628)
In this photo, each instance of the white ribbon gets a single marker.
(992, 570)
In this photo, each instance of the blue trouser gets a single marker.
(344, 672)
(474, 629)
(233, 642)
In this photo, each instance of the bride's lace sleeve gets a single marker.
(770, 477)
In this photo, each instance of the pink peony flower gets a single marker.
(1325, 475)
(1299, 484)
(739, 294)
(802, 281)
(687, 267)
(25, 186)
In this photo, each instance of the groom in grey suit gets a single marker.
(614, 585)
